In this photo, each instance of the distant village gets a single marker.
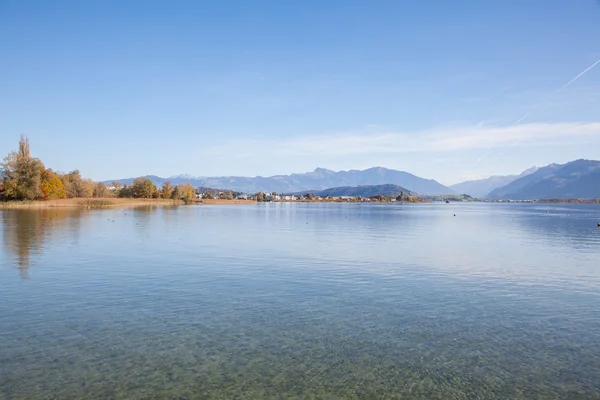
(210, 194)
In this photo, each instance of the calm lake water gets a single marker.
(301, 301)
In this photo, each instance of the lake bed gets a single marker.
(301, 301)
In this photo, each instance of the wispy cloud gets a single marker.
(434, 140)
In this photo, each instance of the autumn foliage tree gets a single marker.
(167, 190)
(185, 192)
(143, 188)
(100, 190)
(51, 185)
(22, 174)
(76, 186)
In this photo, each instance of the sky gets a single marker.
(446, 90)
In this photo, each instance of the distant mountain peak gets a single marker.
(182, 176)
(529, 171)
(324, 170)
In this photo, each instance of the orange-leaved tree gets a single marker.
(51, 185)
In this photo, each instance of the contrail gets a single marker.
(480, 159)
(528, 113)
(522, 118)
(581, 74)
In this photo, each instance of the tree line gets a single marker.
(26, 178)
(144, 188)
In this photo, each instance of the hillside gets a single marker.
(480, 188)
(362, 191)
(576, 179)
(319, 179)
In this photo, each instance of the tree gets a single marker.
(260, 196)
(167, 190)
(22, 174)
(88, 187)
(143, 188)
(51, 185)
(75, 186)
(208, 195)
(229, 196)
(117, 186)
(100, 190)
(185, 192)
(125, 192)
(378, 197)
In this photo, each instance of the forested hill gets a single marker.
(362, 191)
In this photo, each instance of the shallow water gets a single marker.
(301, 301)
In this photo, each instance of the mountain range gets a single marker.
(576, 179)
(480, 188)
(319, 179)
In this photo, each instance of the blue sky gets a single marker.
(449, 90)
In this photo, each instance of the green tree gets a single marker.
(167, 190)
(143, 188)
(22, 174)
(125, 192)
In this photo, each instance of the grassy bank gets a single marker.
(88, 203)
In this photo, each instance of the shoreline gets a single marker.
(223, 202)
(111, 202)
(103, 202)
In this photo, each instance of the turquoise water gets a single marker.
(301, 301)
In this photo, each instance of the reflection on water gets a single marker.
(302, 301)
(25, 232)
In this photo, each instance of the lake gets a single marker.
(301, 301)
